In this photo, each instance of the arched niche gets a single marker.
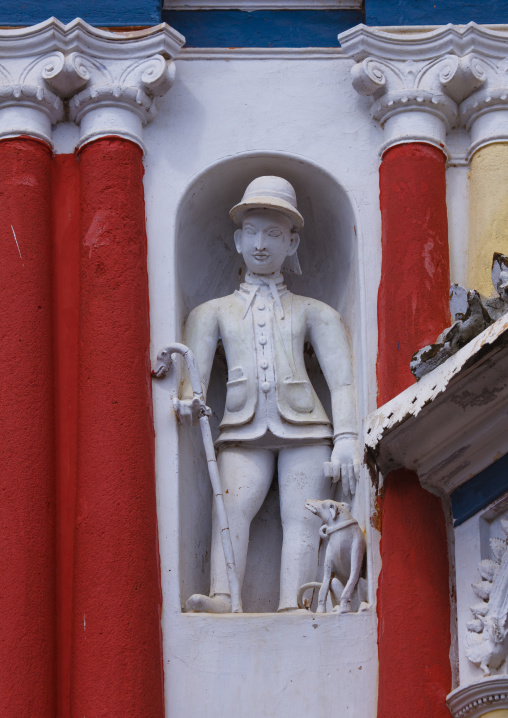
(208, 266)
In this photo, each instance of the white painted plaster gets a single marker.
(65, 138)
(301, 120)
(457, 202)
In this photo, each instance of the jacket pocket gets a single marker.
(299, 396)
(236, 394)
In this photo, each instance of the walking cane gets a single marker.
(161, 369)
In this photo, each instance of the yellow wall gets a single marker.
(488, 217)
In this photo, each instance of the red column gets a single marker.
(66, 322)
(413, 592)
(27, 492)
(117, 657)
(415, 276)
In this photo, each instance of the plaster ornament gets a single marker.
(344, 554)
(51, 67)
(273, 417)
(472, 314)
(487, 637)
(426, 83)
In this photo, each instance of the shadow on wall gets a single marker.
(208, 267)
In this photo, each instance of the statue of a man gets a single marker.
(273, 416)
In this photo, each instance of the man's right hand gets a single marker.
(188, 411)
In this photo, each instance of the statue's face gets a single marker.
(265, 240)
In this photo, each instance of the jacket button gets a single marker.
(265, 386)
(261, 307)
(262, 340)
(264, 364)
(261, 323)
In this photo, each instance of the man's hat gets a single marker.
(269, 193)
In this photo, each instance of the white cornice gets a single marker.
(476, 700)
(453, 423)
(79, 36)
(424, 42)
(262, 53)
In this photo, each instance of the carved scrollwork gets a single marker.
(494, 90)
(35, 83)
(132, 84)
(75, 66)
(399, 86)
(369, 76)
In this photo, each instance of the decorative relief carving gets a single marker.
(400, 86)
(134, 84)
(486, 640)
(478, 699)
(35, 84)
(45, 68)
(477, 112)
(457, 75)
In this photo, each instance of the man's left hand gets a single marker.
(346, 463)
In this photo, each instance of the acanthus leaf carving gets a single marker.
(33, 83)
(398, 86)
(132, 84)
(461, 77)
(55, 66)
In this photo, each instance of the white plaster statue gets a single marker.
(344, 554)
(273, 416)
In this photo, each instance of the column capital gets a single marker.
(124, 74)
(479, 699)
(108, 81)
(417, 78)
(485, 111)
(32, 76)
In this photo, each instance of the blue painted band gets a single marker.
(271, 28)
(435, 12)
(102, 13)
(480, 491)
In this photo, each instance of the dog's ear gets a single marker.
(333, 510)
(347, 507)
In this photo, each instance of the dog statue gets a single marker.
(343, 557)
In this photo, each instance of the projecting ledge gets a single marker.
(453, 423)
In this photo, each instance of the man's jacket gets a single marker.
(272, 355)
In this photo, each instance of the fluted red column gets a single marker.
(27, 490)
(413, 592)
(117, 659)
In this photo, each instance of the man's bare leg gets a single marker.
(301, 477)
(246, 475)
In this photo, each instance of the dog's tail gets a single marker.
(306, 586)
